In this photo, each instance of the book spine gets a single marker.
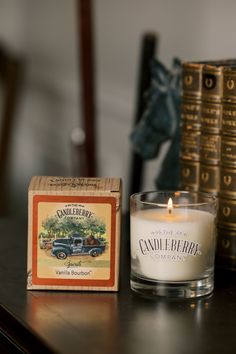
(226, 219)
(190, 125)
(211, 122)
(208, 145)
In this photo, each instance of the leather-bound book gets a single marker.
(190, 124)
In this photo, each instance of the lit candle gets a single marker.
(171, 243)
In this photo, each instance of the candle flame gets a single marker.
(170, 205)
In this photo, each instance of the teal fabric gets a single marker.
(161, 122)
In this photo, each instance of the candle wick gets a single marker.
(169, 211)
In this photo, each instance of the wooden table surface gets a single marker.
(83, 322)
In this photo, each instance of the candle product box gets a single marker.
(74, 233)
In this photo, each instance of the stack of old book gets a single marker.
(208, 143)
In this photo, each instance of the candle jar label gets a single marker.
(159, 247)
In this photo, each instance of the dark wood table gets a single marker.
(82, 322)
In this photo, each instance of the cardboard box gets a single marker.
(74, 233)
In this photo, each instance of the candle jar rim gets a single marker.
(202, 197)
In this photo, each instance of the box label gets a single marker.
(73, 240)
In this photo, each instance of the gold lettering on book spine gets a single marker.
(227, 212)
(229, 84)
(190, 112)
(205, 177)
(189, 174)
(228, 151)
(188, 80)
(190, 141)
(212, 87)
(210, 148)
(209, 82)
(211, 117)
(228, 181)
(225, 243)
(192, 79)
(229, 118)
(209, 178)
(185, 172)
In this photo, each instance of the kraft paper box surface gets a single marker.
(74, 233)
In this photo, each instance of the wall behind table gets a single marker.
(44, 33)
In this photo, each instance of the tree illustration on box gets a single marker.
(65, 227)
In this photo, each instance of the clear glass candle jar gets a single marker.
(172, 239)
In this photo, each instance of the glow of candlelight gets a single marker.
(170, 205)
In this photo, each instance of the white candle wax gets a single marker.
(176, 246)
